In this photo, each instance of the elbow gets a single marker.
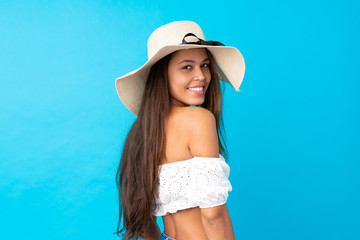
(214, 219)
(215, 223)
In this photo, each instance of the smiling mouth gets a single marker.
(197, 89)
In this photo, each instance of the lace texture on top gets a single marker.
(196, 182)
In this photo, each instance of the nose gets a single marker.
(199, 74)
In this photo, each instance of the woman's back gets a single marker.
(190, 131)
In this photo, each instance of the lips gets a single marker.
(196, 89)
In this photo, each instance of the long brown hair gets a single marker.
(137, 176)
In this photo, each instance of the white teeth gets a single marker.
(197, 89)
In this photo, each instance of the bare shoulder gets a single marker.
(199, 125)
(194, 120)
(195, 115)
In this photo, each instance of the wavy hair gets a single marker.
(137, 176)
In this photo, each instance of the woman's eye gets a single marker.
(187, 67)
(205, 65)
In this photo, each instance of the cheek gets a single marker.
(177, 81)
(174, 85)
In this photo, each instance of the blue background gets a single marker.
(293, 131)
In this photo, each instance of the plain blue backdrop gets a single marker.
(293, 131)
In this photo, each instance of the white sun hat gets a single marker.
(170, 38)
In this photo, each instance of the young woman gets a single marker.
(172, 163)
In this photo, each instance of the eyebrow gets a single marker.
(192, 61)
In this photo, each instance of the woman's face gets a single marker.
(189, 76)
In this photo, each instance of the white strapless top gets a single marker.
(197, 182)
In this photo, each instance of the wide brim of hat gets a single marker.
(229, 60)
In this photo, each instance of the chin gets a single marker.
(191, 101)
(196, 103)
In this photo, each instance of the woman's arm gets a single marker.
(203, 142)
(217, 223)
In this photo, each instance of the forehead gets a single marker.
(196, 54)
